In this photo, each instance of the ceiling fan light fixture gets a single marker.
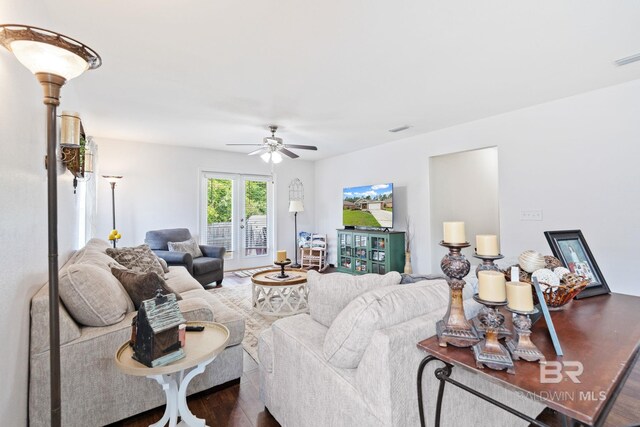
(276, 157)
(266, 157)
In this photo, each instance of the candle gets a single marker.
(282, 256)
(515, 274)
(487, 244)
(519, 296)
(454, 232)
(491, 286)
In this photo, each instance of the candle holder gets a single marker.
(522, 347)
(282, 264)
(489, 352)
(454, 328)
(487, 262)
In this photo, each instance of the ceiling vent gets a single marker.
(628, 59)
(399, 129)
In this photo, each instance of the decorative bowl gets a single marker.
(557, 297)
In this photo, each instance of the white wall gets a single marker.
(575, 158)
(161, 188)
(23, 198)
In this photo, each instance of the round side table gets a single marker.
(201, 349)
(276, 297)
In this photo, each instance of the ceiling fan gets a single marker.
(272, 146)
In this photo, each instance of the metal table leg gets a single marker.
(423, 365)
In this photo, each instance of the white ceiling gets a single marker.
(336, 74)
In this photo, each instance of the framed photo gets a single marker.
(571, 248)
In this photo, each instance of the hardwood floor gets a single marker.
(238, 404)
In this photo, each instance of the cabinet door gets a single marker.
(378, 245)
(345, 252)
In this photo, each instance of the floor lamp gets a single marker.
(54, 59)
(113, 179)
(296, 206)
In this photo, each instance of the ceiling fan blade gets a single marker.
(288, 153)
(258, 151)
(244, 144)
(302, 147)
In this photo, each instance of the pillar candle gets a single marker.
(454, 232)
(519, 296)
(491, 286)
(282, 256)
(487, 244)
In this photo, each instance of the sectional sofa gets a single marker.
(94, 391)
(353, 360)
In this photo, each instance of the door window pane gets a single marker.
(255, 207)
(219, 214)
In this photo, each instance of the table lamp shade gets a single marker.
(296, 206)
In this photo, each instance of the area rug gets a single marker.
(251, 272)
(238, 298)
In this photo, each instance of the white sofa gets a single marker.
(303, 387)
(94, 391)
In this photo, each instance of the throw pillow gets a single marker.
(92, 295)
(138, 258)
(163, 263)
(350, 333)
(142, 286)
(189, 246)
(330, 293)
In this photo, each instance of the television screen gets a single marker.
(368, 206)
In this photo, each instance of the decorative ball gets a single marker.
(544, 275)
(531, 261)
(561, 271)
(552, 262)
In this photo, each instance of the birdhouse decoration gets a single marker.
(156, 340)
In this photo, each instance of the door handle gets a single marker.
(242, 226)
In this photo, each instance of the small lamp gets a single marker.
(54, 59)
(296, 206)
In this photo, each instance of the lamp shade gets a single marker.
(43, 51)
(112, 179)
(45, 58)
(266, 157)
(276, 157)
(296, 206)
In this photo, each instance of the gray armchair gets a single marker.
(206, 269)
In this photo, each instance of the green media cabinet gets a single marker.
(370, 251)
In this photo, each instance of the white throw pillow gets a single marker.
(330, 293)
(351, 332)
(189, 246)
(92, 296)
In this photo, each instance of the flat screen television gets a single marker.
(368, 206)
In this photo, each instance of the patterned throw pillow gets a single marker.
(139, 259)
(142, 286)
(189, 246)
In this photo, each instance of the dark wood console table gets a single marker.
(602, 333)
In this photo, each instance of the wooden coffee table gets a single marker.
(280, 297)
(599, 335)
(201, 349)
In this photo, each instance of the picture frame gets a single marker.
(570, 247)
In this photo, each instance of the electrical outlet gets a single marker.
(531, 215)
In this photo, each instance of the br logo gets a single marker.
(553, 372)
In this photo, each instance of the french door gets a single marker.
(237, 213)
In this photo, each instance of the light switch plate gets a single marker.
(531, 215)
